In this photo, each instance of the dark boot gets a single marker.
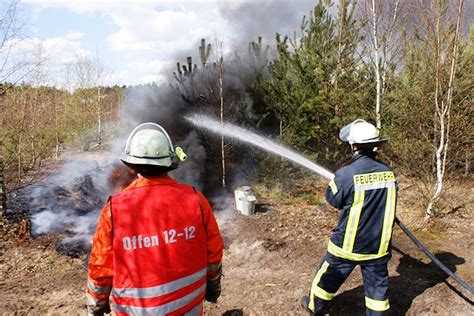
(320, 306)
(304, 302)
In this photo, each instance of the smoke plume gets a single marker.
(265, 18)
(71, 200)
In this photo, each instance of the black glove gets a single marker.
(99, 310)
(213, 289)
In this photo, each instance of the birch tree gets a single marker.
(219, 57)
(90, 74)
(221, 99)
(217, 86)
(443, 97)
(16, 62)
(382, 20)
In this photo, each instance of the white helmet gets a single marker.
(361, 132)
(150, 144)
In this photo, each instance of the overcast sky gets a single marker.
(140, 41)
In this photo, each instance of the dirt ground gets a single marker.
(269, 262)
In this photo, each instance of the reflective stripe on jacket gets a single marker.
(365, 192)
(163, 246)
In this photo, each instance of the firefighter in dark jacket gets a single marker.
(365, 191)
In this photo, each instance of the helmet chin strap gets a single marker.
(358, 150)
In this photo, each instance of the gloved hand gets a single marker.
(213, 289)
(101, 308)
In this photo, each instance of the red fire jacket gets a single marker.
(155, 244)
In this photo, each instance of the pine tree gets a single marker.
(315, 84)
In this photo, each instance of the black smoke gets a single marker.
(70, 201)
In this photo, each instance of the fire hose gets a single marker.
(244, 135)
(432, 257)
(435, 260)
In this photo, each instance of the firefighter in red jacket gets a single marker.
(157, 249)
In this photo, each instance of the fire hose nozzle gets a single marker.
(180, 153)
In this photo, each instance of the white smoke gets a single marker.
(71, 200)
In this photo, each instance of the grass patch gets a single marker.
(296, 192)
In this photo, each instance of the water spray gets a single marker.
(246, 136)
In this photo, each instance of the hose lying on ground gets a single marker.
(433, 258)
(429, 254)
(244, 135)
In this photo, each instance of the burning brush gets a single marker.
(120, 177)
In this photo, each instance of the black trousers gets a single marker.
(333, 271)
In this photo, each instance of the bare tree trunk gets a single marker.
(19, 158)
(466, 164)
(388, 39)
(33, 127)
(378, 118)
(221, 95)
(56, 130)
(383, 23)
(99, 117)
(444, 112)
(2, 187)
(20, 138)
(341, 17)
(281, 129)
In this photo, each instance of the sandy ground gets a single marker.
(269, 262)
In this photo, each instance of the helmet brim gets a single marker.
(164, 162)
(372, 143)
(150, 170)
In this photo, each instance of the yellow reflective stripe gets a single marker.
(322, 294)
(374, 181)
(376, 305)
(341, 253)
(388, 220)
(333, 186)
(353, 221)
(374, 186)
(375, 177)
(314, 286)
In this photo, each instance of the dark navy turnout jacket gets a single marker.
(365, 191)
